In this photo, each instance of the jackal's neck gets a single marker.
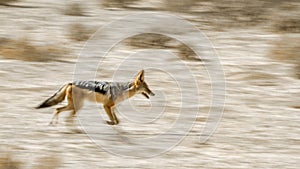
(128, 92)
(131, 90)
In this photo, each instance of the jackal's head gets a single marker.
(141, 86)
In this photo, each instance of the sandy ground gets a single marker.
(259, 127)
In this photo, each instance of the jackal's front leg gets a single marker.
(113, 118)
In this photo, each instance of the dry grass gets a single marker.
(291, 25)
(148, 40)
(178, 5)
(74, 9)
(50, 162)
(117, 3)
(221, 14)
(7, 162)
(6, 2)
(285, 17)
(79, 32)
(187, 53)
(232, 14)
(297, 68)
(287, 49)
(23, 49)
(158, 41)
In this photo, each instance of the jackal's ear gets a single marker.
(139, 77)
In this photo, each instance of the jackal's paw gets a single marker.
(51, 123)
(111, 123)
(78, 131)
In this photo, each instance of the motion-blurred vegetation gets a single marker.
(149, 40)
(116, 3)
(23, 49)
(275, 16)
(6, 2)
(7, 161)
(48, 162)
(79, 32)
(74, 9)
(280, 17)
(158, 41)
(287, 49)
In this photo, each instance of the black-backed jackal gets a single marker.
(108, 93)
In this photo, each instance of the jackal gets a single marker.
(107, 93)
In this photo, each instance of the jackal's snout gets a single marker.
(147, 93)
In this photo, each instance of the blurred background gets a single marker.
(258, 44)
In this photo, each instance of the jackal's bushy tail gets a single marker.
(58, 97)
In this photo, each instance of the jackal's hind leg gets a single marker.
(73, 113)
(56, 113)
(70, 119)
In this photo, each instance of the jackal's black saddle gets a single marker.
(96, 86)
